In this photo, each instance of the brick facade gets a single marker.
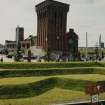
(51, 25)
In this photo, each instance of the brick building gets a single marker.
(72, 44)
(51, 25)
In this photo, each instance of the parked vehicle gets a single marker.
(9, 56)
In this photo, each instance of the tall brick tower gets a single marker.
(51, 25)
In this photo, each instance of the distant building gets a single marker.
(102, 45)
(72, 44)
(19, 33)
(19, 36)
(2, 47)
(10, 45)
(24, 43)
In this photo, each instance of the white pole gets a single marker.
(86, 46)
(100, 45)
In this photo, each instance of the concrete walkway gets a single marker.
(102, 102)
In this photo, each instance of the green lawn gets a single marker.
(47, 83)
(25, 80)
(51, 97)
(35, 86)
(20, 80)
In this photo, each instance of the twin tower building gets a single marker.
(52, 26)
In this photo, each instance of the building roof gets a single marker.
(54, 3)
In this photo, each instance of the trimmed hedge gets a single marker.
(40, 87)
(49, 72)
(49, 65)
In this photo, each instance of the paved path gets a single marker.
(79, 103)
(5, 59)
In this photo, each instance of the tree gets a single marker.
(79, 56)
(29, 55)
(97, 53)
(18, 55)
(31, 39)
(102, 54)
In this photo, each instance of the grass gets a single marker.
(47, 83)
(20, 80)
(47, 98)
(26, 80)
(50, 98)
(41, 86)
(89, 77)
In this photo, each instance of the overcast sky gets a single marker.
(84, 16)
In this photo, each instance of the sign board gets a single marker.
(93, 89)
(95, 98)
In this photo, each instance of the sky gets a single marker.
(84, 16)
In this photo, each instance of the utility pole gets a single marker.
(100, 52)
(86, 52)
